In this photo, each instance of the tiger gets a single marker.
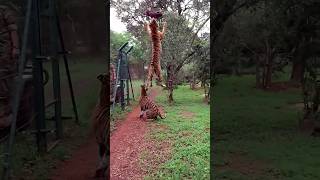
(149, 110)
(101, 126)
(156, 38)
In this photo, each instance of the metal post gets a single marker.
(128, 97)
(131, 84)
(122, 95)
(38, 82)
(55, 70)
(15, 104)
(127, 57)
(66, 66)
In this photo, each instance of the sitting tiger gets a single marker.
(156, 38)
(149, 110)
(101, 126)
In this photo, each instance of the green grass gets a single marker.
(188, 136)
(263, 128)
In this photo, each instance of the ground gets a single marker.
(171, 148)
(159, 149)
(257, 135)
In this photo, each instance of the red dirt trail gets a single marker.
(125, 147)
(126, 143)
(82, 164)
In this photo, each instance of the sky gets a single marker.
(115, 23)
(118, 26)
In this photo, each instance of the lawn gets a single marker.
(256, 134)
(183, 138)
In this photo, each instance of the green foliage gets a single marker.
(288, 27)
(118, 39)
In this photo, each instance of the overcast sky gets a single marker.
(115, 22)
(118, 26)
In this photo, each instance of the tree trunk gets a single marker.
(170, 82)
(297, 71)
(238, 68)
(193, 82)
(264, 72)
(209, 94)
(258, 73)
(268, 66)
(298, 63)
(269, 72)
(170, 97)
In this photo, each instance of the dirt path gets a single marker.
(126, 143)
(82, 164)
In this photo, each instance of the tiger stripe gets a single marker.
(148, 107)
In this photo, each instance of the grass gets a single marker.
(260, 128)
(186, 129)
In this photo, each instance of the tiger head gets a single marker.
(143, 90)
(153, 25)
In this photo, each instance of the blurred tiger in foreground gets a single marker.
(149, 110)
(101, 126)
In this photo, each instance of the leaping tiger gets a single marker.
(156, 38)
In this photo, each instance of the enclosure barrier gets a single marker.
(56, 48)
(122, 74)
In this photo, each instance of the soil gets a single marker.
(126, 145)
(82, 164)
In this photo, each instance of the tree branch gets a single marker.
(196, 33)
(180, 65)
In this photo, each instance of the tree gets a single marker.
(185, 21)
(118, 39)
(303, 19)
(222, 11)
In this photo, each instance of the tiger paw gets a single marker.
(143, 116)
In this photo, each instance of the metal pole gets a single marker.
(55, 69)
(16, 100)
(122, 95)
(127, 81)
(75, 110)
(128, 95)
(130, 79)
(38, 81)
